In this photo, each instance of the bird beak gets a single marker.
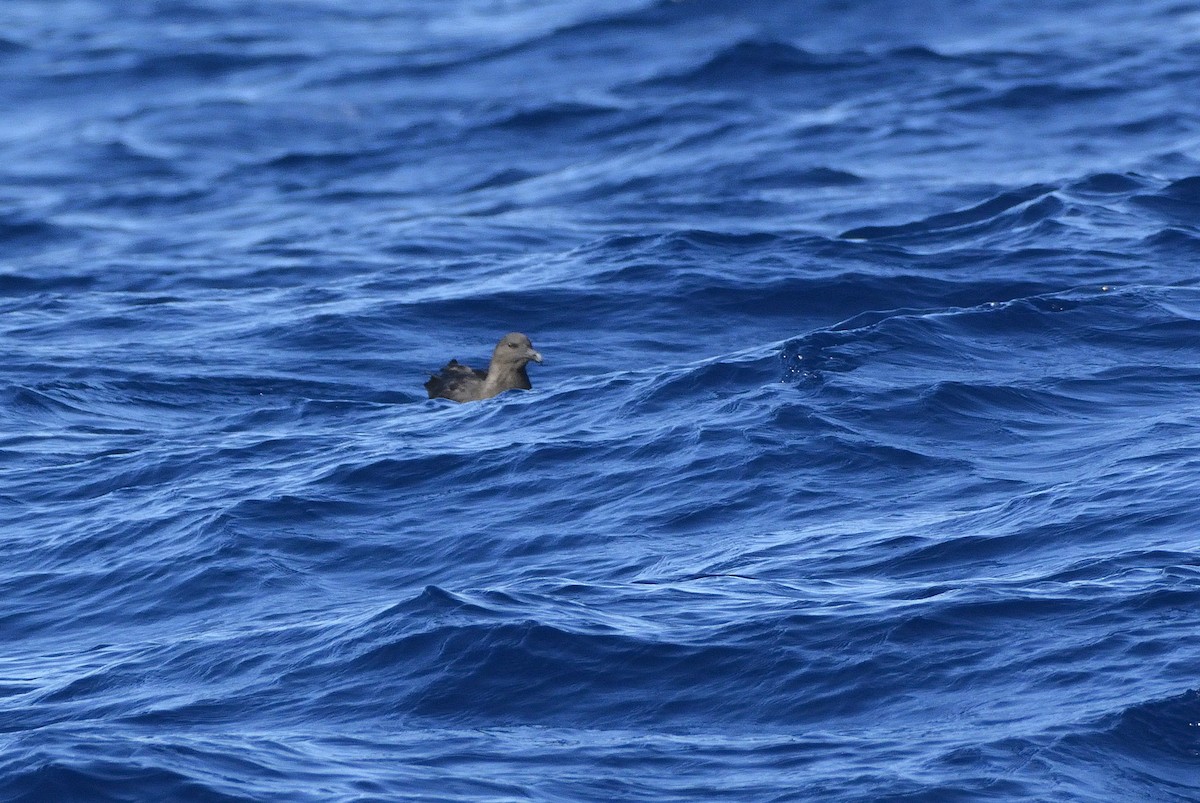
(533, 355)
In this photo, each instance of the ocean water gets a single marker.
(863, 465)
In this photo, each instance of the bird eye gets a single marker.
(512, 345)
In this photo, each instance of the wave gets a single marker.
(553, 114)
(1037, 97)
(1152, 743)
(758, 59)
(26, 232)
(862, 463)
(1021, 207)
(101, 780)
(1177, 202)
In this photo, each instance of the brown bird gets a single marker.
(460, 383)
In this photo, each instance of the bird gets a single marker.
(506, 371)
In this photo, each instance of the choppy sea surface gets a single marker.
(864, 464)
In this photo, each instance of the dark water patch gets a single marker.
(10, 46)
(1152, 742)
(1173, 241)
(290, 510)
(1037, 97)
(168, 67)
(968, 221)
(1109, 184)
(392, 473)
(503, 178)
(388, 72)
(107, 780)
(898, 367)
(1162, 727)
(119, 157)
(481, 673)
(118, 478)
(39, 401)
(433, 602)
(810, 177)
(1099, 569)
(1156, 124)
(26, 232)
(714, 378)
(1178, 201)
(553, 115)
(1184, 189)
(324, 331)
(334, 162)
(760, 59)
(19, 285)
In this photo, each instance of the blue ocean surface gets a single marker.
(864, 463)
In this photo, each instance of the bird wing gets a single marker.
(456, 381)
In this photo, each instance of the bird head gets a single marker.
(515, 348)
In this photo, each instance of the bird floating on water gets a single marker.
(506, 371)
